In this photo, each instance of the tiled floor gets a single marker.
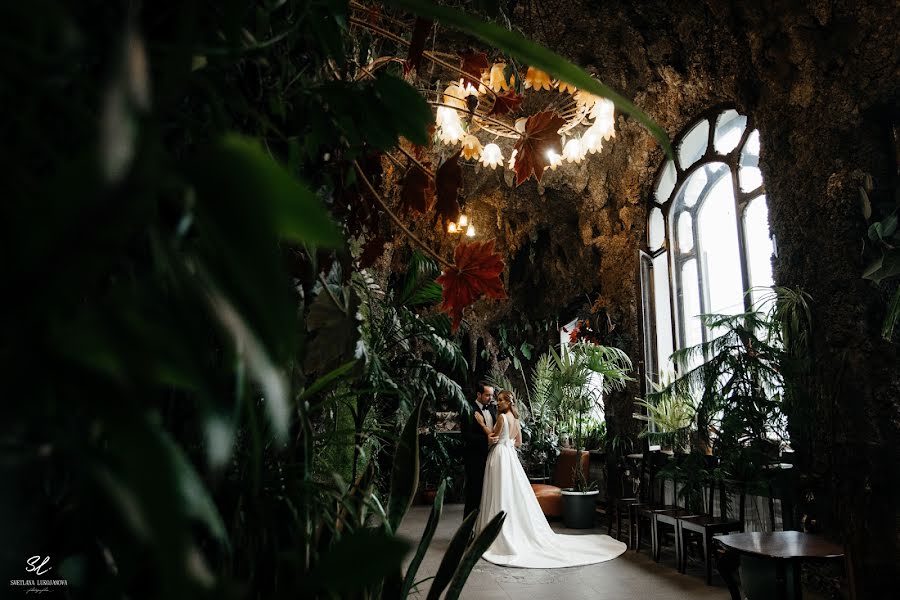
(630, 576)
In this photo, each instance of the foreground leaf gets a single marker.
(370, 554)
(405, 471)
(430, 528)
(887, 265)
(890, 321)
(245, 170)
(452, 556)
(473, 554)
(540, 138)
(476, 273)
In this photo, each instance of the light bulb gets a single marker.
(463, 220)
(451, 228)
(491, 156)
(573, 151)
(554, 159)
(470, 232)
(592, 141)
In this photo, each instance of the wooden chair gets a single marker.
(665, 521)
(625, 505)
(655, 502)
(708, 525)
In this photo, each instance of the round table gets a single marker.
(787, 549)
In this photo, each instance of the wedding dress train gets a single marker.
(526, 539)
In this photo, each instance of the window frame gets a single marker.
(671, 211)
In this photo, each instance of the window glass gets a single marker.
(666, 183)
(663, 312)
(759, 247)
(692, 333)
(656, 229)
(717, 232)
(750, 176)
(685, 232)
(693, 145)
(696, 183)
(730, 127)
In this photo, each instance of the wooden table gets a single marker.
(786, 548)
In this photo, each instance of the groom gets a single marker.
(476, 444)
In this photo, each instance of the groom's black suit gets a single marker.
(475, 451)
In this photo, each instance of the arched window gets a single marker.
(708, 236)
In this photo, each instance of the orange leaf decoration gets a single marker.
(475, 274)
(473, 64)
(540, 137)
(506, 103)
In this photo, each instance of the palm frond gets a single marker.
(419, 286)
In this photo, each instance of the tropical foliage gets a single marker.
(735, 390)
(195, 343)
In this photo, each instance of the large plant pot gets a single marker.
(579, 508)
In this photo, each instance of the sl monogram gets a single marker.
(36, 565)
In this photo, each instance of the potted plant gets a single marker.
(581, 375)
(735, 393)
(670, 414)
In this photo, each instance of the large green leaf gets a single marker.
(332, 325)
(407, 110)
(535, 55)
(327, 380)
(882, 230)
(430, 528)
(452, 556)
(405, 470)
(887, 265)
(473, 554)
(297, 214)
(359, 559)
(158, 496)
(887, 330)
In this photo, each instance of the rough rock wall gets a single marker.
(828, 96)
(821, 80)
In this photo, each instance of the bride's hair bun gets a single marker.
(510, 397)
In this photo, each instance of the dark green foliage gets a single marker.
(430, 528)
(182, 340)
(741, 386)
(473, 554)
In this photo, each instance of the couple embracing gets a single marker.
(495, 481)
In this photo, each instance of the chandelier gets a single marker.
(543, 122)
(494, 113)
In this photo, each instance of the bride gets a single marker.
(526, 539)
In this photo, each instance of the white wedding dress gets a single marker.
(526, 539)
